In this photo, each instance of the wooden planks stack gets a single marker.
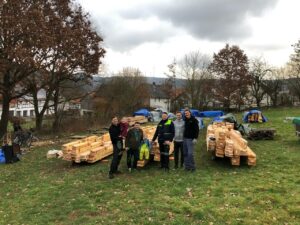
(90, 149)
(95, 148)
(224, 141)
(140, 119)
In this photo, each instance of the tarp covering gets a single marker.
(142, 112)
(211, 113)
(296, 121)
(254, 116)
(201, 123)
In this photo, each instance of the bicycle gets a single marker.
(24, 139)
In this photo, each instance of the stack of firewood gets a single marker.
(90, 149)
(224, 141)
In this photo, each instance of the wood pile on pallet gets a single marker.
(94, 148)
(224, 141)
(90, 149)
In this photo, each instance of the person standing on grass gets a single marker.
(190, 135)
(178, 139)
(165, 132)
(117, 142)
(133, 142)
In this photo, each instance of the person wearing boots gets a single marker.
(117, 142)
(165, 132)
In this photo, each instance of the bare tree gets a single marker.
(273, 85)
(294, 71)
(258, 71)
(123, 93)
(194, 68)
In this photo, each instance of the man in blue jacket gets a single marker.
(165, 132)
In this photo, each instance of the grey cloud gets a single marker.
(215, 20)
(218, 20)
(265, 47)
(119, 36)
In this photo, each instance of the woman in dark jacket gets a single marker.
(133, 141)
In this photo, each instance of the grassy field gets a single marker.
(41, 191)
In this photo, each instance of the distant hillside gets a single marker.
(98, 80)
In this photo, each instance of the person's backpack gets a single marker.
(2, 157)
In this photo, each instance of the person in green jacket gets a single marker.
(133, 141)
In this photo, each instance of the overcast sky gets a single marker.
(149, 34)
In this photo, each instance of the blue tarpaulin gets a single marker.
(254, 116)
(211, 113)
(142, 112)
(201, 123)
(2, 157)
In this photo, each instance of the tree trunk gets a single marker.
(55, 124)
(39, 121)
(5, 114)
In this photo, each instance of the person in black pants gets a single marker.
(165, 133)
(133, 142)
(178, 140)
(117, 141)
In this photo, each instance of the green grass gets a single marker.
(41, 191)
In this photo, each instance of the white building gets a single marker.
(158, 99)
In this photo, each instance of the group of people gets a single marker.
(183, 131)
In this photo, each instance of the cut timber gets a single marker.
(235, 161)
(142, 163)
(223, 141)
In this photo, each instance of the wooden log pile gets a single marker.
(224, 141)
(261, 134)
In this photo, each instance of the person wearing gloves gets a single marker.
(178, 139)
(165, 133)
(190, 135)
(133, 142)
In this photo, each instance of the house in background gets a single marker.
(158, 98)
(23, 107)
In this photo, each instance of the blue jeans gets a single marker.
(188, 152)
